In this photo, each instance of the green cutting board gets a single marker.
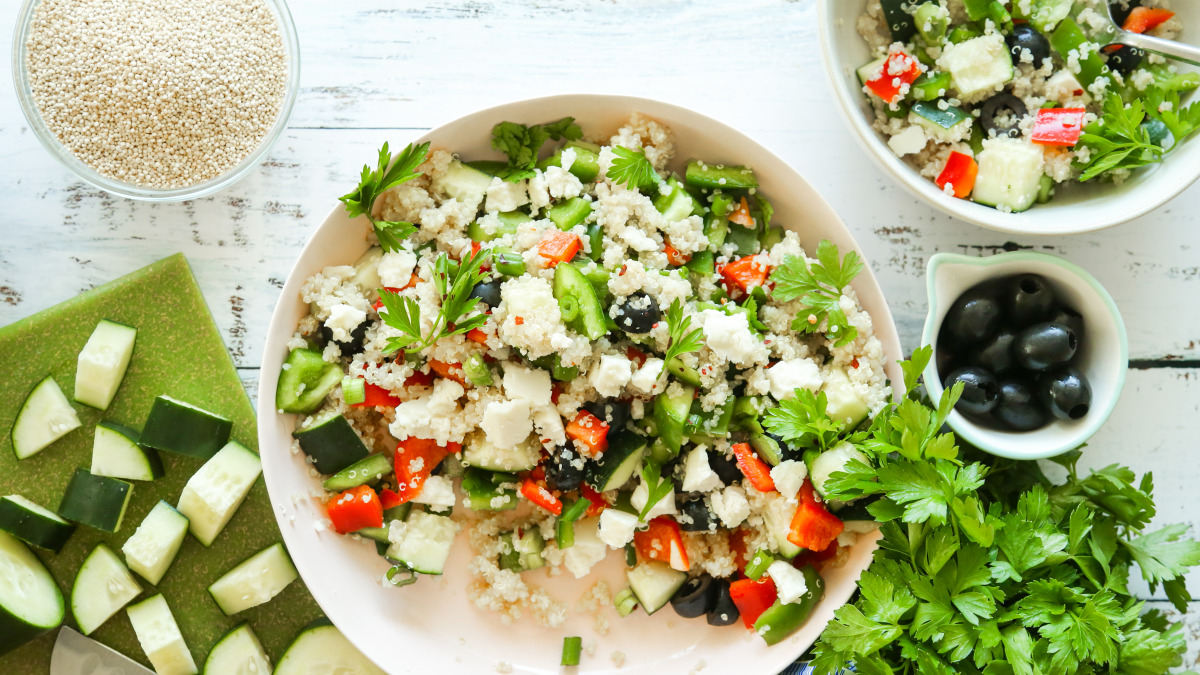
(178, 352)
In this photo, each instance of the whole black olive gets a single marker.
(1125, 59)
(725, 466)
(1066, 393)
(615, 413)
(1024, 36)
(1001, 114)
(696, 516)
(1068, 317)
(722, 612)
(564, 470)
(488, 292)
(995, 354)
(1019, 408)
(1029, 300)
(694, 598)
(1121, 8)
(980, 391)
(971, 319)
(355, 344)
(1045, 345)
(638, 313)
(945, 358)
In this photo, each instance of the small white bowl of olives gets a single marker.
(1037, 343)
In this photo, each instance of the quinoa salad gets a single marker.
(1003, 103)
(577, 353)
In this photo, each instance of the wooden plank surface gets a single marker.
(378, 70)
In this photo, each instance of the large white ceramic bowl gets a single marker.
(432, 627)
(1077, 208)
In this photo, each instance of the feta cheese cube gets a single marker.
(506, 423)
(610, 375)
(698, 476)
(788, 376)
(528, 384)
(437, 491)
(505, 196)
(343, 319)
(396, 268)
(730, 505)
(617, 527)
(730, 338)
(664, 506)
(549, 425)
(789, 475)
(647, 378)
(587, 550)
(908, 142)
(789, 581)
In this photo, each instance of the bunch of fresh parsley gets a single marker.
(989, 567)
(523, 143)
(386, 174)
(1120, 138)
(819, 287)
(454, 286)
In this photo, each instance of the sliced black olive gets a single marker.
(725, 466)
(1125, 59)
(488, 292)
(1019, 408)
(1045, 345)
(1068, 317)
(696, 516)
(995, 354)
(1024, 36)
(723, 612)
(564, 470)
(1029, 300)
(615, 413)
(695, 597)
(1066, 393)
(971, 319)
(1001, 114)
(638, 313)
(980, 391)
(355, 344)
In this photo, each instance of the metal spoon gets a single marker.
(1111, 33)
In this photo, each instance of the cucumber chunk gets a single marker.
(184, 429)
(586, 165)
(331, 443)
(654, 583)
(102, 363)
(321, 648)
(1010, 173)
(215, 492)
(778, 518)
(462, 182)
(117, 454)
(45, 416)
(304, 382)
(842, 403)
(102, 587)
(366, 273)
(370, 469)
(34, 524)
(160, 638)
(674, 202)
(423, 542)
(832, 461)
(617, 464)
(479, 452)
(238, 653)
(490, 490)
(96, 501)
(255, 581)
(30, 602)
(155, 543)
(509, 222)
(978, 65)
(718, 176)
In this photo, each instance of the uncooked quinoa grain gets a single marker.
(159, 93)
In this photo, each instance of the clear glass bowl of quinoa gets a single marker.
(186, 102)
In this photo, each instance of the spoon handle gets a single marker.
(1175, 50)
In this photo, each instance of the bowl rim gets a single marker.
(983, 438)
(971, 212)
(33, 117)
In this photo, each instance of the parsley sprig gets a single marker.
(632, 169)
(523, 143)
(802, 422)
(657, 486)
(684, 338)
(819, 287)
(1120, 140)
(374, 182)
(453, 287)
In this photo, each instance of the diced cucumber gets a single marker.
(102, 363)
(522, 550)
(674, 202)
(578, 302)
(569, 213)
(832, 461)
(376, 534)
(464, 183)
(96, 501)
(34, 524)
(490, 490)
(718, 176)
(423, 542)
(366, 273)
(977, 65)
(842, 403)
(102, 587)
(617, 464)
(1047, 13)
(654, 583)
(30, 602)
(331, 443)
(182, 428)
(160, 638)
(1009, 174)
(370, 469)
(321, 648)
(670, 414)
(254, 581)
(899, 18)
(946, 125)
(479, 452)
(238, 653)
(155, 543)
(45, 416)
(870, 70)
(304, 382)
(215, 492)
(117, 454)
(777, 515)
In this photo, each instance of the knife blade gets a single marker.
(75, 654)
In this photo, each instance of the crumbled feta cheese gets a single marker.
(617, 527)
(587, 550)
(435, 415)
(730, 505)
(664, 506)
(788, 376)
(788, 476)
(730, 338)
(610, 375)
(528, 384)
(908, 142)
(396, 268)
(505, 196)
(436, 491)
(647, 378)
(342, 321)
(529, 316)
(789, 581)
(549, 425)
(698, 476)
(506, 423)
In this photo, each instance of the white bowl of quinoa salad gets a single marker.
(995, 127)
(493, 590)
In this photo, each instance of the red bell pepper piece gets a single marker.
(960, 172)
(355, 509)
(450, 371)
(379, 303)
(374, 395)
(559, 246)
(389, 499)
(674, 257)
(415, 460)
(663, 541)
(598, 504)
(589, 430)
(1142, 19)
(419, 379)
(815, 558)
(477, 336)
(753, 597)
(744, 274)
(741, 215)
(813, 526)
(1058, 126)
(755, 470)
(538, 494)
(637, 356)
(897, 72)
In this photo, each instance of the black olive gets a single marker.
(725, 466)
(1024, 36)
(945, 357)
(615, 413)
(1066, 393)
(1029, 300)
(971, 319)
(1125, 59)
(697, 516)
(1045, 345)
(723, 612)
(1070, 318)
(564, 469)
(355, 344)
(488, 292)
(980, 391)
(995, 354)
(1002, 103)
(1019, 408)
(694, 598)
(638, 313)
(1121, 8)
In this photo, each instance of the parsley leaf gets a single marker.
(1118, 140)
(819, 287)
(657, 487)
(683, 340)
(1164, 106)
(632, 169)
(1163, 555)
(801, 421)
(453, 287)
(374, 182)
(523, 143)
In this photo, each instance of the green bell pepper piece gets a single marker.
(780, 620)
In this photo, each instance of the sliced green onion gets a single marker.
(401, 575)
(572, 649)
(354, 390)
(477, 371)
(759, 563)
(564, 529)
(625, 602)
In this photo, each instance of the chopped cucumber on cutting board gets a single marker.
(30, 602)
(254, 582)
(321, 648)
(214, 493)
(238, 653)
(102, 587)
(45, 416)
(102, 363)
(155, 543)
(160, 638)
(117, 454)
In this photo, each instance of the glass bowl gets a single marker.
(89, 175)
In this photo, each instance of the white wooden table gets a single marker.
(376, 70)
